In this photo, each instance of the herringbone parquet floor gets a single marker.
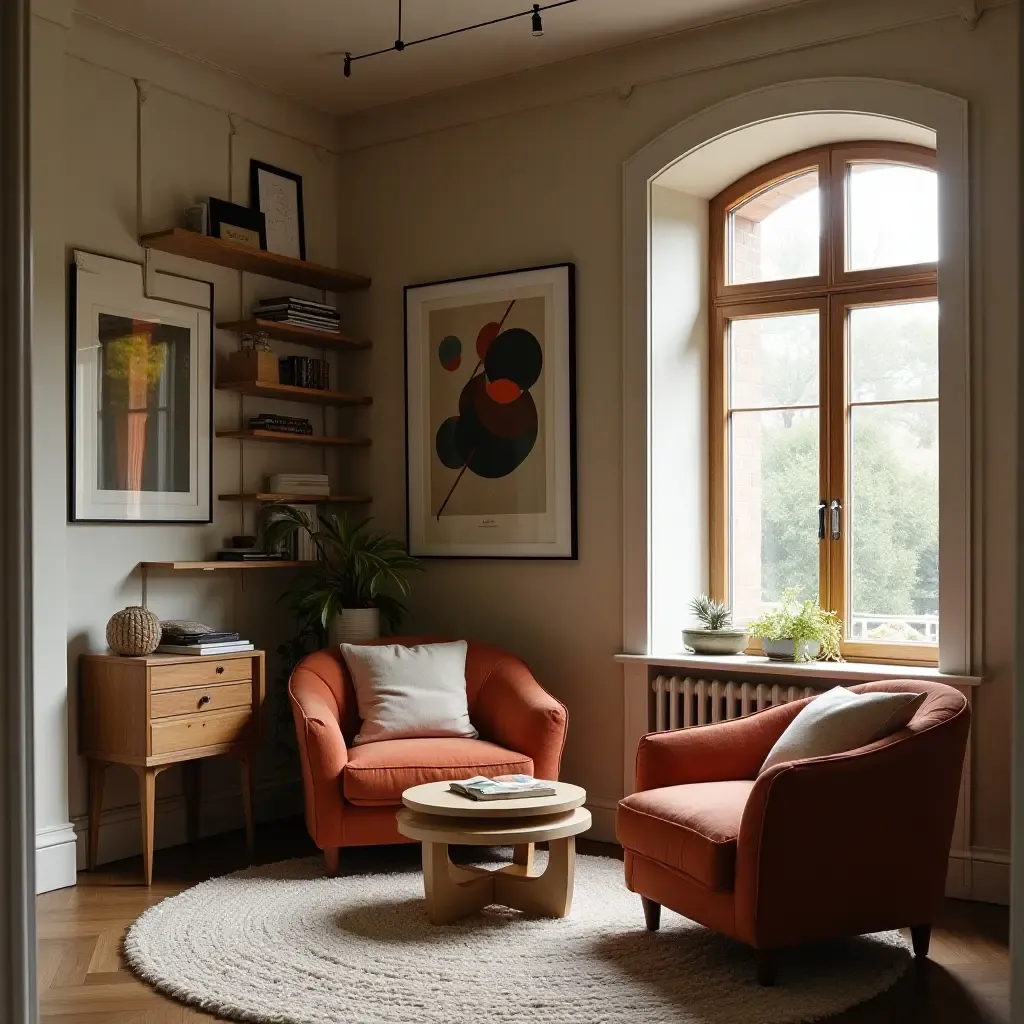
(83, 980)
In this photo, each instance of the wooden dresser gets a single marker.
(154, 712)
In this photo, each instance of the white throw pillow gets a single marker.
(404, 692)
(840, 720)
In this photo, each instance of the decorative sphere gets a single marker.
(133, 632)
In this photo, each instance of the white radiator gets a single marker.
(681, 702)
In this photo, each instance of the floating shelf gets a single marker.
(289, 393)
(270, 563)
(297, 335)
(253, 261)
(281, 437)
(299, 499)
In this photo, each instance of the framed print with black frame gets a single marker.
(490, 366)
(140, 397)
(238, 224)
(277, 194)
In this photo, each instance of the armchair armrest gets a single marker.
(515, 711)
(322, 749)
(722, 752)
(853, 842)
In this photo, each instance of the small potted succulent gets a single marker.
(715, 634)
(799, 631)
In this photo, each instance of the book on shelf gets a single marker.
(280, 424)
(292, 305)
(297, 316)
(246, 555)
(205, 650)
(304, 372)
(296, 300)
(300, 483)
(187, 631)
(503, 787)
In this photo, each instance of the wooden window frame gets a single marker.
(831, 293)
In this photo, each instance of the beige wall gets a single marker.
(528, 170)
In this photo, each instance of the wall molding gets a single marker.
(602, 810)
(55, 857)
(980, 874)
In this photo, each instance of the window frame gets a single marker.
(831, 293)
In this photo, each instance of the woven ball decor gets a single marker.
(133, 631)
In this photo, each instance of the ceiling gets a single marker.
(294, 47)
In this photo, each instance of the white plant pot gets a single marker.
(355, 626)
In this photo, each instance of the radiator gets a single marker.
(682, 702)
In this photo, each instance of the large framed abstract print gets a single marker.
(490, 415)
(140, 400)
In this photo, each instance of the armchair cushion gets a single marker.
(377, 773)
(840, 720)
(692, 828)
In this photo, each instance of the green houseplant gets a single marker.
(715, 635)
(799, 631)
(360, 575)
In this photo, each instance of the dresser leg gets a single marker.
(97, 772)
(250, 833)
(147, 804)
(193, 780)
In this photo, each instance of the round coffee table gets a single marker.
(439, 818)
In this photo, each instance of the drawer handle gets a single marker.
(205, 699)
(220, 669)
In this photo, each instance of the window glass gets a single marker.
(892, 215)
(775, 234)
(773, 360)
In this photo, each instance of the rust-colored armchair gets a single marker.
(353, 792)
(815, 849)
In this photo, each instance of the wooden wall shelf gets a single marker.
(289, 393)
(298, 499)
(270, 563)
(297, 335)
(253, 261)
(281, 437)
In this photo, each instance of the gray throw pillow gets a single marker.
(405, 692)
(840, 720)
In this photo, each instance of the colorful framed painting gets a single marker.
(140, 396)
(490, 367)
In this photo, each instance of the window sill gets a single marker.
(826, 671)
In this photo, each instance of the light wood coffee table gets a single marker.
(439, 819)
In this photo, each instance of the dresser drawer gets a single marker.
(201, 699)
(205, 671)
(188, 732)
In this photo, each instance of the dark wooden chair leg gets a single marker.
(652, 914)
(920, 936)
(766, 963)
(331, 859)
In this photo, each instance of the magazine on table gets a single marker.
(504, 787)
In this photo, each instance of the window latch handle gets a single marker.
(821, 519)
(835, 510)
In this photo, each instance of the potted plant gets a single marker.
(359, 576)
(799, 631)
(715, 634)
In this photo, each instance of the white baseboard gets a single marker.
(120, 827)
(979, 874)
(55, 857)
(602, 811)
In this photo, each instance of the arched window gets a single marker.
(824, 393)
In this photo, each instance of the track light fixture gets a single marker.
(536, 24)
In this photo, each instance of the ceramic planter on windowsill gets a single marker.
(785, 650)
(716, 641)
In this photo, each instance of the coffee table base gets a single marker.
(454, 892)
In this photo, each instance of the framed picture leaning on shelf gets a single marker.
(277, 194)
(490, 415)
(140, 398)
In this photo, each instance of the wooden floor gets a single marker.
(83, 980)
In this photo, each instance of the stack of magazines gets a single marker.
(181, 637)
(302, 312)
(315, 485)
(504, 787)
(281, 424)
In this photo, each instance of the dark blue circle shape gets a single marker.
(515, 355)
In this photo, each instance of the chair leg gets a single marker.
(331, 859)
(766, 964)
(920, 936)
(652, 914)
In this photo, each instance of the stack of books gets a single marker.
(281, 424)
(178, 637)
(503, 787)
(313, 484)
(250, 555)
(305, 372)
(288, 309)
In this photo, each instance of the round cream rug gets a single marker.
(283, 944)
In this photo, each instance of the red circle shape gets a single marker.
(453, 364)
(503, 391)
(487, 334)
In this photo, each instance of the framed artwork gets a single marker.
(490, 415)
(140, 398)
(238, 224)
(277, 194)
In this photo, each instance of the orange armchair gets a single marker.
(353, 792)
(815, 849)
